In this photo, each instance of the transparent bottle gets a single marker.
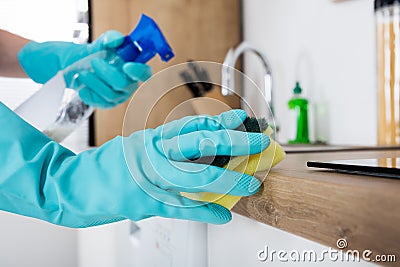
(142, 44)
(73, 111)
(387, 20)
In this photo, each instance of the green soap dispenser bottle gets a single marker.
(300, 104)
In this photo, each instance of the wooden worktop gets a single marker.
(324, 206)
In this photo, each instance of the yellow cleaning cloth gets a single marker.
(244, 164)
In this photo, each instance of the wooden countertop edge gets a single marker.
(327, 209)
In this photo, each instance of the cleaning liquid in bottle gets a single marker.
(300, 105)
(141, 45)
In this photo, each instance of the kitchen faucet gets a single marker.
(228, 73)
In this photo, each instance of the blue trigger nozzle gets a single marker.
(144, 42)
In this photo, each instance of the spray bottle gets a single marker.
(142, 44)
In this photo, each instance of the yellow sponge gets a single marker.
(244, 164)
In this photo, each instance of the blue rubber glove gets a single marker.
(104, 87)
(44, 180)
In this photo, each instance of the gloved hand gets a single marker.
(42, 179)
(105, 87)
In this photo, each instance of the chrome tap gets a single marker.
(228, 72)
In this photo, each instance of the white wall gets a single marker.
(28, 242)
(330, 48)
(239, 242)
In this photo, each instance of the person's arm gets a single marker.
(10, 45)
(134, 177)
(102, 85)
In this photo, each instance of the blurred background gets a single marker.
(328, 46)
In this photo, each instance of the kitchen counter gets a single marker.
(325, 206)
